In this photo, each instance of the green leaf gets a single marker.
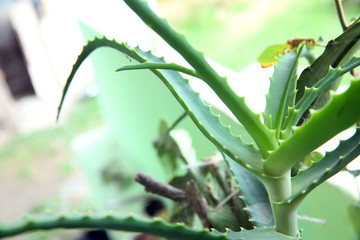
(282, 90)
(110, 222)
(330, 164)
(149, 65)
(253, 194)
(337, 52)
(201, 114)
(133, 224)
(263, 233)
(263, 137)
(206, 121)
(312, 93)
(338, 115)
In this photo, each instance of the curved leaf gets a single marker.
(330, 164)
(267, 233)
(282, 90)
(338, 115)
(336, 53)
(200, 113)
(312, 93)
(263, 137)
(111, 222)
(134, 224)
(206, 121)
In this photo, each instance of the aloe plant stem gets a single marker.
(285, 217)
(285, 214)
(264, 138)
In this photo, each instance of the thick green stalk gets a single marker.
(264, 138)
(285, 216)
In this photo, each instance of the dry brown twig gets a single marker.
(191, 195)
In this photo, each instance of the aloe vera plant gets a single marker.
(277, 140)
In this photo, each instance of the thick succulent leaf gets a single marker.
(267, 233)
(200, 113)
(253, 194)
(337, 52)
(205, 120)
(111, 222)
(236, 128)
(320, 171)
(133, 224)
(282, 89)
(263, 137)
(312, 93)
(341, 113)
(86, 51)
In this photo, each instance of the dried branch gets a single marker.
(198, 202)
(154, 186)
(191, 195)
